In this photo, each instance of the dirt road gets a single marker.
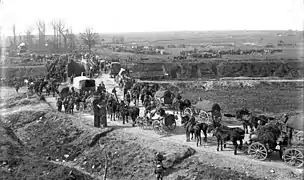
(206, 153)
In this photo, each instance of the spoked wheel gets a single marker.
(172, 126)
(293, 157)
(157, 102)
(156, 125)
(257, 151)
(89, 107)
(81, 107)
(188, 111)
(139, 122)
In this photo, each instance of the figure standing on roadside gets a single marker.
(59, 104)
(96, 107)
(17, 86)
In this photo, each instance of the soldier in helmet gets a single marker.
(59, 104)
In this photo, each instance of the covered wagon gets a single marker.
(83, 83)
(164, 97)
(63, 90)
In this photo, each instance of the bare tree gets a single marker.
(54, 27)
(89, 37)
(14, 34)
(41, 29)
(29, 37)
(63, 31)
(71, 38)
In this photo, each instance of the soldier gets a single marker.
(66, 105)
(99, 89)
(128, 98)
(59, 104)
(96, 107)
(17, 86)
(71, 106)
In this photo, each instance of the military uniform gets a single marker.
(96, 102)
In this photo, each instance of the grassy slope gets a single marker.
(259, 99)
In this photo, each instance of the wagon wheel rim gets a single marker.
(188, 111)
(172, 126)
(139, 122)
(81, 108)
(156, 126)
(257, 151)
(293, 157)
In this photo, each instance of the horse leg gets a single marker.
(221, 145)
(218, 144)
(205, 134)
(235, 146)
(199, 138)
(245, 128)
(187, 136)
(241, 144)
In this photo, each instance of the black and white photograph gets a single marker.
(151, 90)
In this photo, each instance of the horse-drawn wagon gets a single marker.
(163, 98)
(63, 90)
(82, 83)
(203, 109)
(280, 138)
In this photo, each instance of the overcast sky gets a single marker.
(154, 15)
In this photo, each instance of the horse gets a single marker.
(198, 127)
(189, 123)
(169, 119)
(113, 107)
(224, 134)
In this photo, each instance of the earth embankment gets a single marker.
(292, 69)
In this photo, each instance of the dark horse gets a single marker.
(224, 134)
(169, 119)
(112, 107)
(189, 123)
(248, 119)
(193, 127)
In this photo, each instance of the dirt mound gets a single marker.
(18, 163)
(192, 168)
(20, 100)
(51, 136)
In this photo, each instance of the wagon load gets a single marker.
(63, 91)
(268, 134)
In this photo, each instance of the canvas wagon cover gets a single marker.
(296, 122)
(204, 105)
(163, 93)
(63, 90)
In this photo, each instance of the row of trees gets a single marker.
(61, 33)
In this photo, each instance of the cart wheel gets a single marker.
(172, 126)
(89, 107)
(188, 111)
(204, 115)
(139, 122)
(293, 157)
(81, 107)
(156, 126)
(257, 151)
(157, 102)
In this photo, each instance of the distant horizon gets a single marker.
(178, 31)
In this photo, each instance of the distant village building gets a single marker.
(118, 40)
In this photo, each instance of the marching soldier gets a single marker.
(96, 107)
(59, 104)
